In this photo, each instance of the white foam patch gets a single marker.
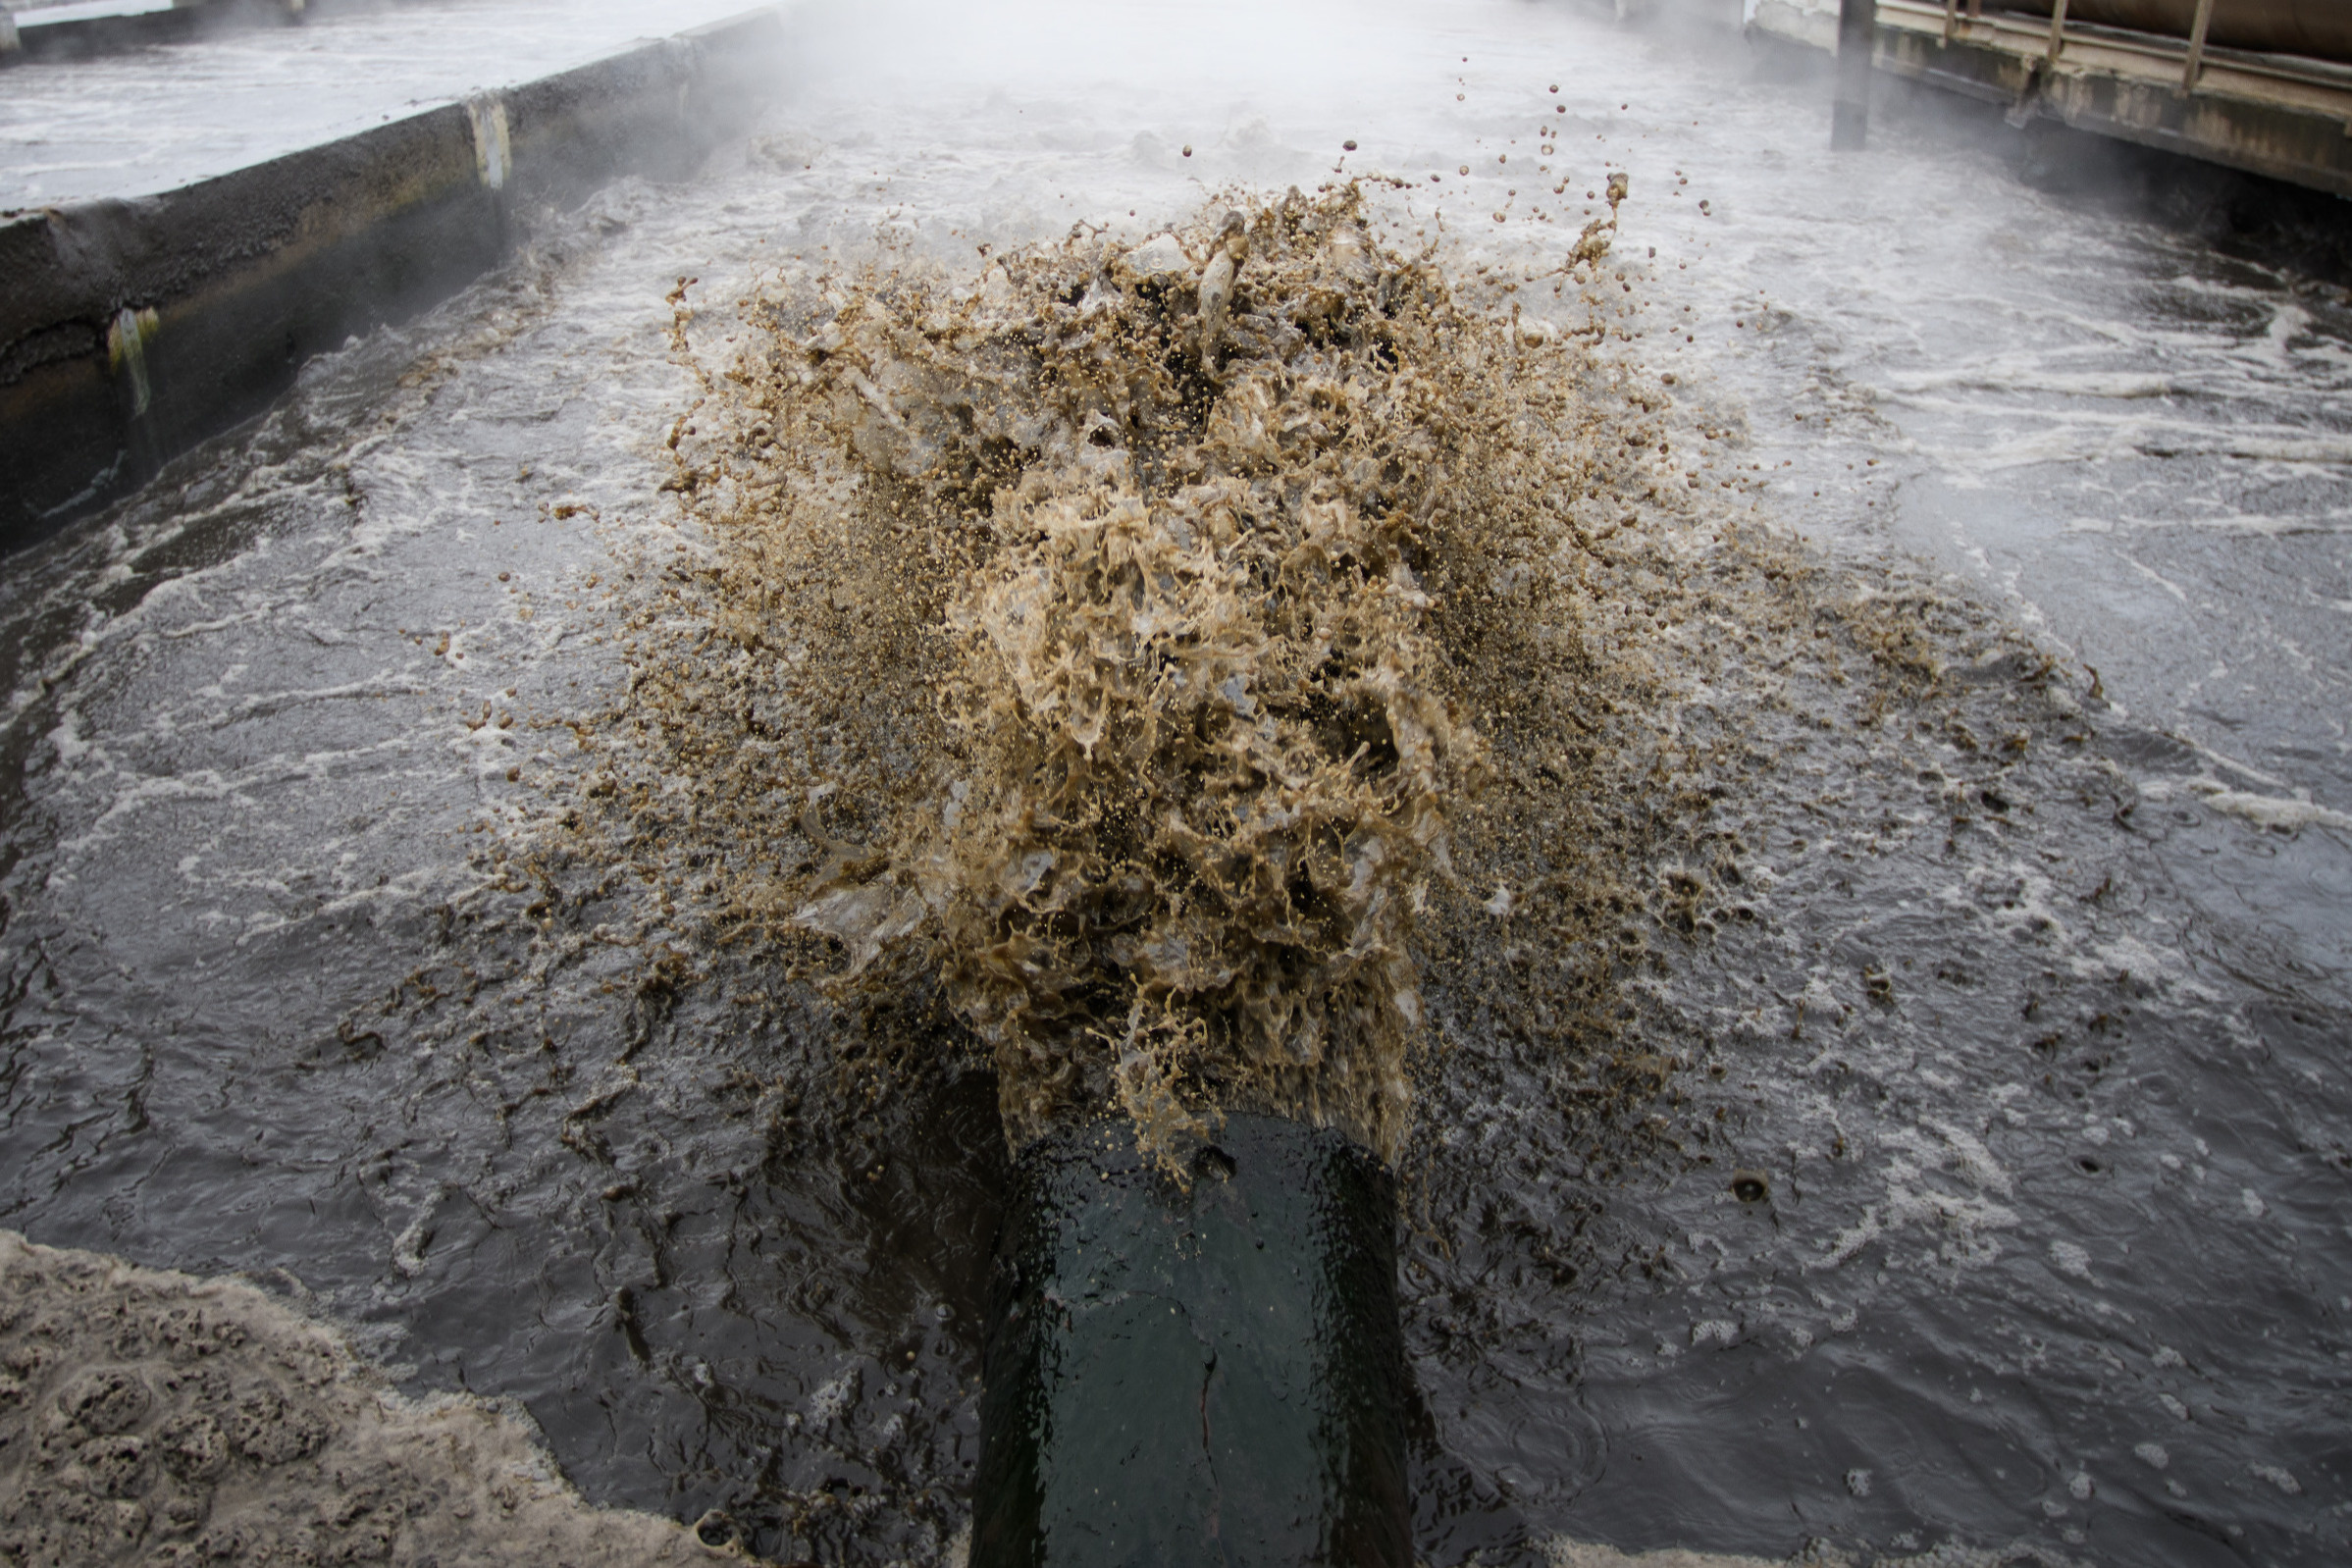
(2071, 1259)
(2273, 812)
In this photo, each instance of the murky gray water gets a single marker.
(2030, 1005)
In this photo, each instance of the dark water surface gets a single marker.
(2005, 1206)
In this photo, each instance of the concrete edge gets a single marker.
(132, 330)
(27, 37)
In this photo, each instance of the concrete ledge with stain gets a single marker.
(1586, 1554)
(156, 1418)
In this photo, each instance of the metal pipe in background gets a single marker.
(1202, 1372)
(1857, 35)
(2058, 32)
(2197, 35)
(2321, 30)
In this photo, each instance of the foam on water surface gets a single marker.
(1931, 1019)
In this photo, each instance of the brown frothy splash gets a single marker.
(1117, 640)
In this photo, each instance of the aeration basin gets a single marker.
(1203, 1368)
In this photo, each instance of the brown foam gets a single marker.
(1132, 671)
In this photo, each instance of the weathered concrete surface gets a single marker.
(79, 38)
(2284, 119)
(157, 1418)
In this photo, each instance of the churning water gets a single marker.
(1879, 1076)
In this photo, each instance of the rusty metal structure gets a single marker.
(2260, 85)
(2319, 29)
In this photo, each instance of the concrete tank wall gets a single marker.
(132, 330)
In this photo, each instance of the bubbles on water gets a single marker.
(1694, 738)
(2278, 1477)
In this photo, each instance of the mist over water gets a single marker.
(1946, 1147)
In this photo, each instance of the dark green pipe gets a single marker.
(1201, 1373)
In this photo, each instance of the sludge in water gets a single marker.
(1113, 638)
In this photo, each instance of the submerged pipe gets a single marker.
(2321, 30)
(1206, 1370)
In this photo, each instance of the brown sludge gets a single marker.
(155, 1418)
(1116, 639)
